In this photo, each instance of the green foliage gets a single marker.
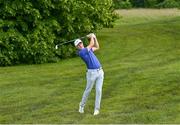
(14, 47)
(121, 4)
(138, 3)
(151, 3)
(30, 29)
(169, 4)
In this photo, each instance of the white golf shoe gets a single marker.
(96, 112)
(81, 109)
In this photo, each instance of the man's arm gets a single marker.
(96, 44)
(93, 43)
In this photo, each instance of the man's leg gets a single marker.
(89, 86)
(99, 84)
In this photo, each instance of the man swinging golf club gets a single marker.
(94, 75)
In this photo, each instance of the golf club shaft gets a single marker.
(70, 41)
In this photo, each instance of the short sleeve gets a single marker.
(83, 51)
(90, 50)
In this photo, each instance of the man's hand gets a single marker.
(91, 35)
(93, 42)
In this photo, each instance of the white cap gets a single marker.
(77, 41)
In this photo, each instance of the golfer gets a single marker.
(94, 74)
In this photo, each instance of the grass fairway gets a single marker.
(141, 60)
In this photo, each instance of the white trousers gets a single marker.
(94, 76)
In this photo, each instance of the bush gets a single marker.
(120, 4)
(138, 3)
(29, 29)
(13, 47)
(168, 4)
(33, 47)
(151, 3)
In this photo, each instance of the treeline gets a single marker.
(126, 4)
(30, 29)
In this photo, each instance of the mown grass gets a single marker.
(139, 16)
(142, 78)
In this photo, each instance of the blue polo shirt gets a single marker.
(89, 58)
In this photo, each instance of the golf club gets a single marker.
(56, 47)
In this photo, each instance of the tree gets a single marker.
(29, 29)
